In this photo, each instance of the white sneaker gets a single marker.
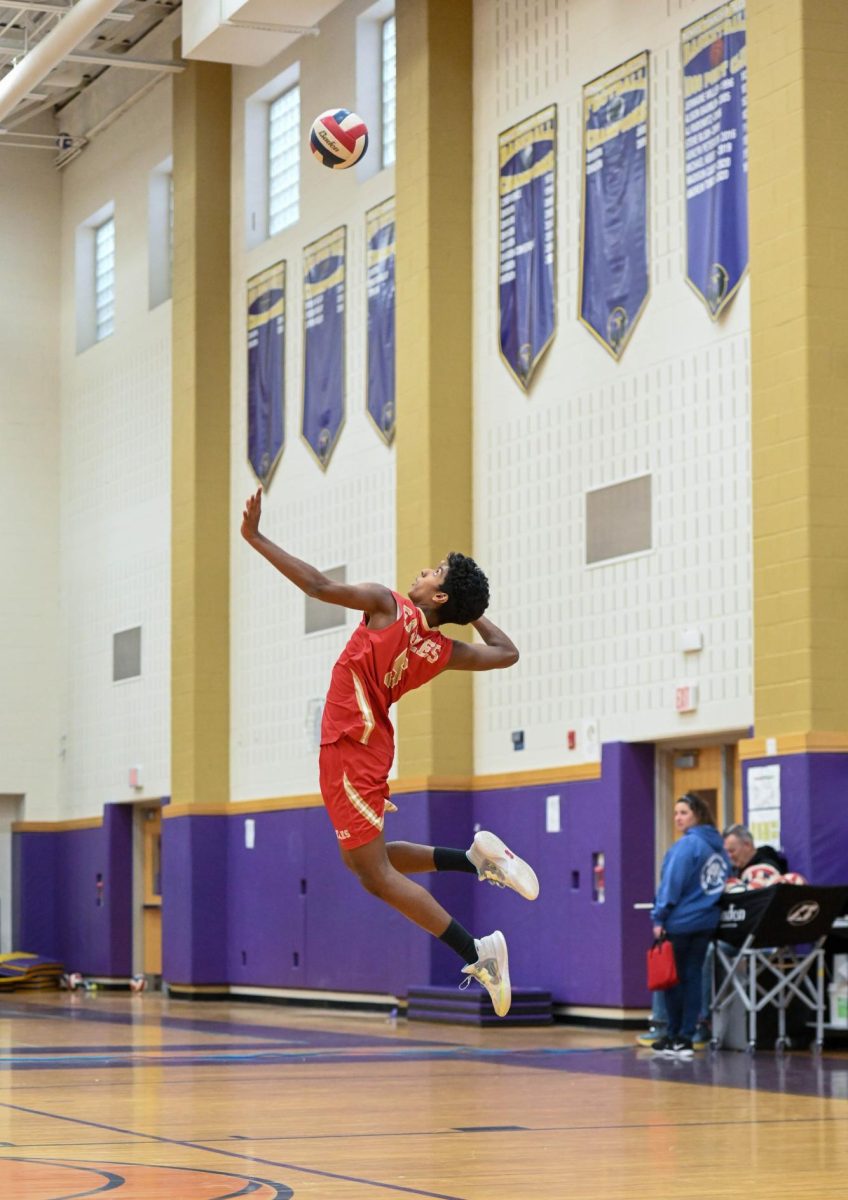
(492, 971)
(496, 862)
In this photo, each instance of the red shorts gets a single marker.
(354, 787)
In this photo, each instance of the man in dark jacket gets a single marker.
(739, 844)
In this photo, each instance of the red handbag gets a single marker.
(662, 969)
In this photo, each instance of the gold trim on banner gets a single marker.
(374, 221)
(256, 285)
(313, 253)
(509, 141)
(727, 18)
(608, 84)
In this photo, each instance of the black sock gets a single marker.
(445, 859)
(460, 940)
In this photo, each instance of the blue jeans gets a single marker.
(684, 1001)
(659, 1011)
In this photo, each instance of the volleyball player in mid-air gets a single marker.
(398, 646)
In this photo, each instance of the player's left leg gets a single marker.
(486, 960)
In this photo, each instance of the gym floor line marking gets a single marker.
(266, 1162)
(210, 1143)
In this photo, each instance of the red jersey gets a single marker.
(375, 669)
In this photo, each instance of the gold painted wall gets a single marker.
(200, 548)
(433, 175)
(798, 95)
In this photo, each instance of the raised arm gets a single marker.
(499, 650)
(372, 598)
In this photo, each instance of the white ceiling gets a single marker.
(58, 68)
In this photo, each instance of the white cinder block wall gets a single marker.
(344, 516)
(116, 482)
(600, 644)
(29, 478)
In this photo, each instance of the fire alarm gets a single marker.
(571, 738)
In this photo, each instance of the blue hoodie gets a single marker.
(692, 880)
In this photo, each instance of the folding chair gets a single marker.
(770, 944)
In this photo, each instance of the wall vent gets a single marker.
(126, 654)
(618, 519)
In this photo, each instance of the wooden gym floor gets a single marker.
(143, 1097)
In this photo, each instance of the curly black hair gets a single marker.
(467, 588)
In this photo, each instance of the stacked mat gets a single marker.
(450, 1006)
(19, 971)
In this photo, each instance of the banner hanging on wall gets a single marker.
(380, 266)
(715, 132)
(266, 340)
(527, 270)
(614, 233)
(324, 347)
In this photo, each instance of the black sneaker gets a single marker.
(661, 1045)
(681, 1048)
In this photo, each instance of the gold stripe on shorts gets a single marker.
(364, 708)
(360, 805)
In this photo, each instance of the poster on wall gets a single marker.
(266, 340)
(527, 267)
(614, 230)
(324, 345)
(764, 804)
(380, 283)
(715, 134)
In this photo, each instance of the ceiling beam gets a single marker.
(85, 16)
(60, 9)
(124, 60)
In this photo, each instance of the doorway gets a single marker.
(710, 771)
(11, 810)
(147, 888)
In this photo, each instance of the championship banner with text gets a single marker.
(526, 279)
(715, 131)
(614, 233)
(324, 348)
(380, 266)
(266, 340)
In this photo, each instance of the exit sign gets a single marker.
(686, 697)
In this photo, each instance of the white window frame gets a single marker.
(369, 84)
(388, 93)
(85, 275)
(160, 233)
(286, 160)
(256, 154)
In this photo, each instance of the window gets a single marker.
(376, 86)
(160, 234)
(94, 277)
(104, 280)
(388, 78)
(284, 160)
(273, 148)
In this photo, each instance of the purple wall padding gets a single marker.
(813, 813)
(582, 951)
(298, 918)
(287, 913)
(59, 909)
(194, 899)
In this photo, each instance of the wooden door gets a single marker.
(152, 896)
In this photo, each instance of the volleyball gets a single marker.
(760, 876)
(734, 885)
(792, 877)
(339, 138)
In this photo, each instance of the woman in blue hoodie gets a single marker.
(692, 880)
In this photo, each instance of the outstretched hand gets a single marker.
(250, 516)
